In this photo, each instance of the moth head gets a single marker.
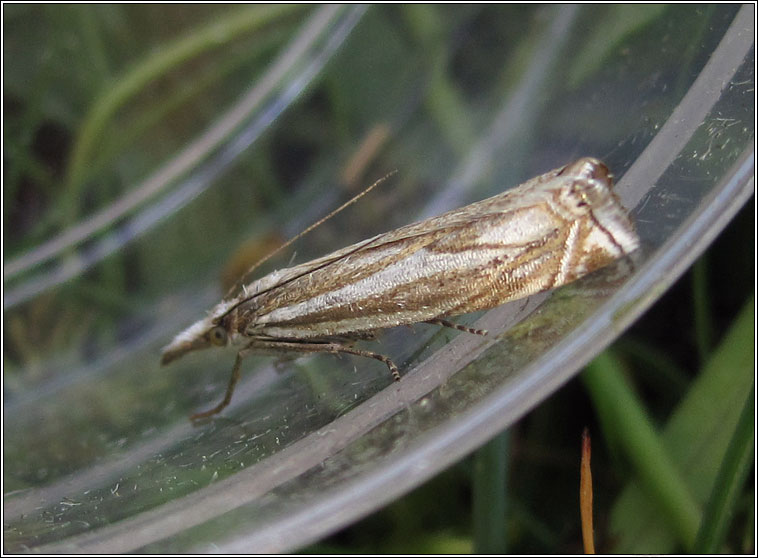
(589, 196)
(201, 335)
(589, 186)
(588, 168)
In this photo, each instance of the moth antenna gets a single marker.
(299, 235)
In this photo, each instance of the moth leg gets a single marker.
(229, 390)
(330, 347)
(391, 365)
(445, 323)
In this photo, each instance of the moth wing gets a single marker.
(417, 234)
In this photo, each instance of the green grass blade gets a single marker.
(738, 462)
(696, 437)
(490, 464)
(621, 411)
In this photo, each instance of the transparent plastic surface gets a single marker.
(99, 454)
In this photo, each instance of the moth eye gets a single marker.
(218, 336)
(583, 194)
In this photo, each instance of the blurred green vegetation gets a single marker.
(61, 108)
(88, 114)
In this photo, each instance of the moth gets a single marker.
(549, 231)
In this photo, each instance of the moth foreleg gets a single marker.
(445, 323)
(229, 389)
(324, 347)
